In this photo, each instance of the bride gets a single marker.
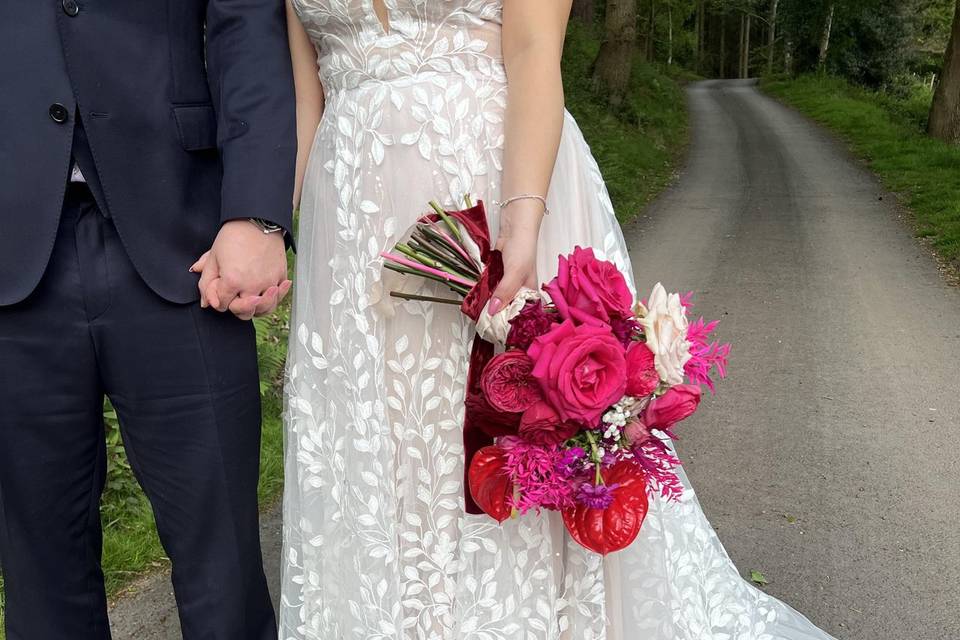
(401, 102)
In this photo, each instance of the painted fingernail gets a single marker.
(495, 305)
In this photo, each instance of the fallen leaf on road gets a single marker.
(758, 578)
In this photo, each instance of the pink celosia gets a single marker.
(540, 476)
(659, 464)
(705, 355)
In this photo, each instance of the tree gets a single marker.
(744, 70)
(614, 61)
(825, 38)
(584, 11)
(669, 34)
(700, 29)
(772, 35)
(944, 122)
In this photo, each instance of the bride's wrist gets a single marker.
(523, 216)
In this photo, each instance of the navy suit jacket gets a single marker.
(189, 115)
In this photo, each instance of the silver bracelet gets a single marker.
(523, 196)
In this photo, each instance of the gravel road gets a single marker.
(829, 459)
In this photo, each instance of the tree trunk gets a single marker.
(723, 45)
(825, 38)
(614, 61)
(743, 20)
(652, 31)
(697, 27)
(746, 49)
(744, 70)
(772, 36)
(698, 31)
(944, 122)
(583, 10)
(669, 35)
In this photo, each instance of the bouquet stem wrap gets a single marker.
(476, 433)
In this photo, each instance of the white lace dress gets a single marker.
(377, 544)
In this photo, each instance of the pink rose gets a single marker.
(678, 403)
(586, 287)
(507, 383)
(581, 370)
(636, 433)
(541, 424)
(642, 376)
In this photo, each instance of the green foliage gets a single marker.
(867, 43)
(888, 133)
(638, 146)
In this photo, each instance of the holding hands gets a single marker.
(245, 271)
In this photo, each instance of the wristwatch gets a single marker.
(266, 226)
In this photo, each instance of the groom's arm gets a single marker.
(251, 81)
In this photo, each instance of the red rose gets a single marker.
(678, 403)
(586, 287)
(507, 383)
(581, 370)
(642, 376)
(541, 424)
(531, 322)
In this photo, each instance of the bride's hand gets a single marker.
(517, 241)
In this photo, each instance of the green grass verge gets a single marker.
(639, 145)
(888, 133)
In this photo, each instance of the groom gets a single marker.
(134, 138)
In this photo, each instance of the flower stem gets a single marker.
(447, 220)
(413, 296)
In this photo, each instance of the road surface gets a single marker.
(829, 460)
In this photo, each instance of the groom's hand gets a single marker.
(245, 271)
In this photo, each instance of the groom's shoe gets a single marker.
(185, 385)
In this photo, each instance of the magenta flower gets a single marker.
(538, 475)
(532, 322)
(625, 329)
(598, 496)
(705, 356)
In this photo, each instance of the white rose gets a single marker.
(665, 326)
(496, 328)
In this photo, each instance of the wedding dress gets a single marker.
(377, 544)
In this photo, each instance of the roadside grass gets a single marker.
(638, 145)
(888, 133)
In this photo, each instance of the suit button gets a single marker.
(59, 113)
(70, 7)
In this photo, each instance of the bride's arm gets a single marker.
(533, 32)
(309, 94)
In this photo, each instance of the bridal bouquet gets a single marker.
(574, 390)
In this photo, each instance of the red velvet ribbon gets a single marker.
(481, 422)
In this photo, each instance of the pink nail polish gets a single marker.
(495, 305)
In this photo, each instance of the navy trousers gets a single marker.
(184, 382)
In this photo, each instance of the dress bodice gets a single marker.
(425, 38)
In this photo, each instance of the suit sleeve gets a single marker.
(249, 67)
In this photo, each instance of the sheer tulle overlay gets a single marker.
(377, 544)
